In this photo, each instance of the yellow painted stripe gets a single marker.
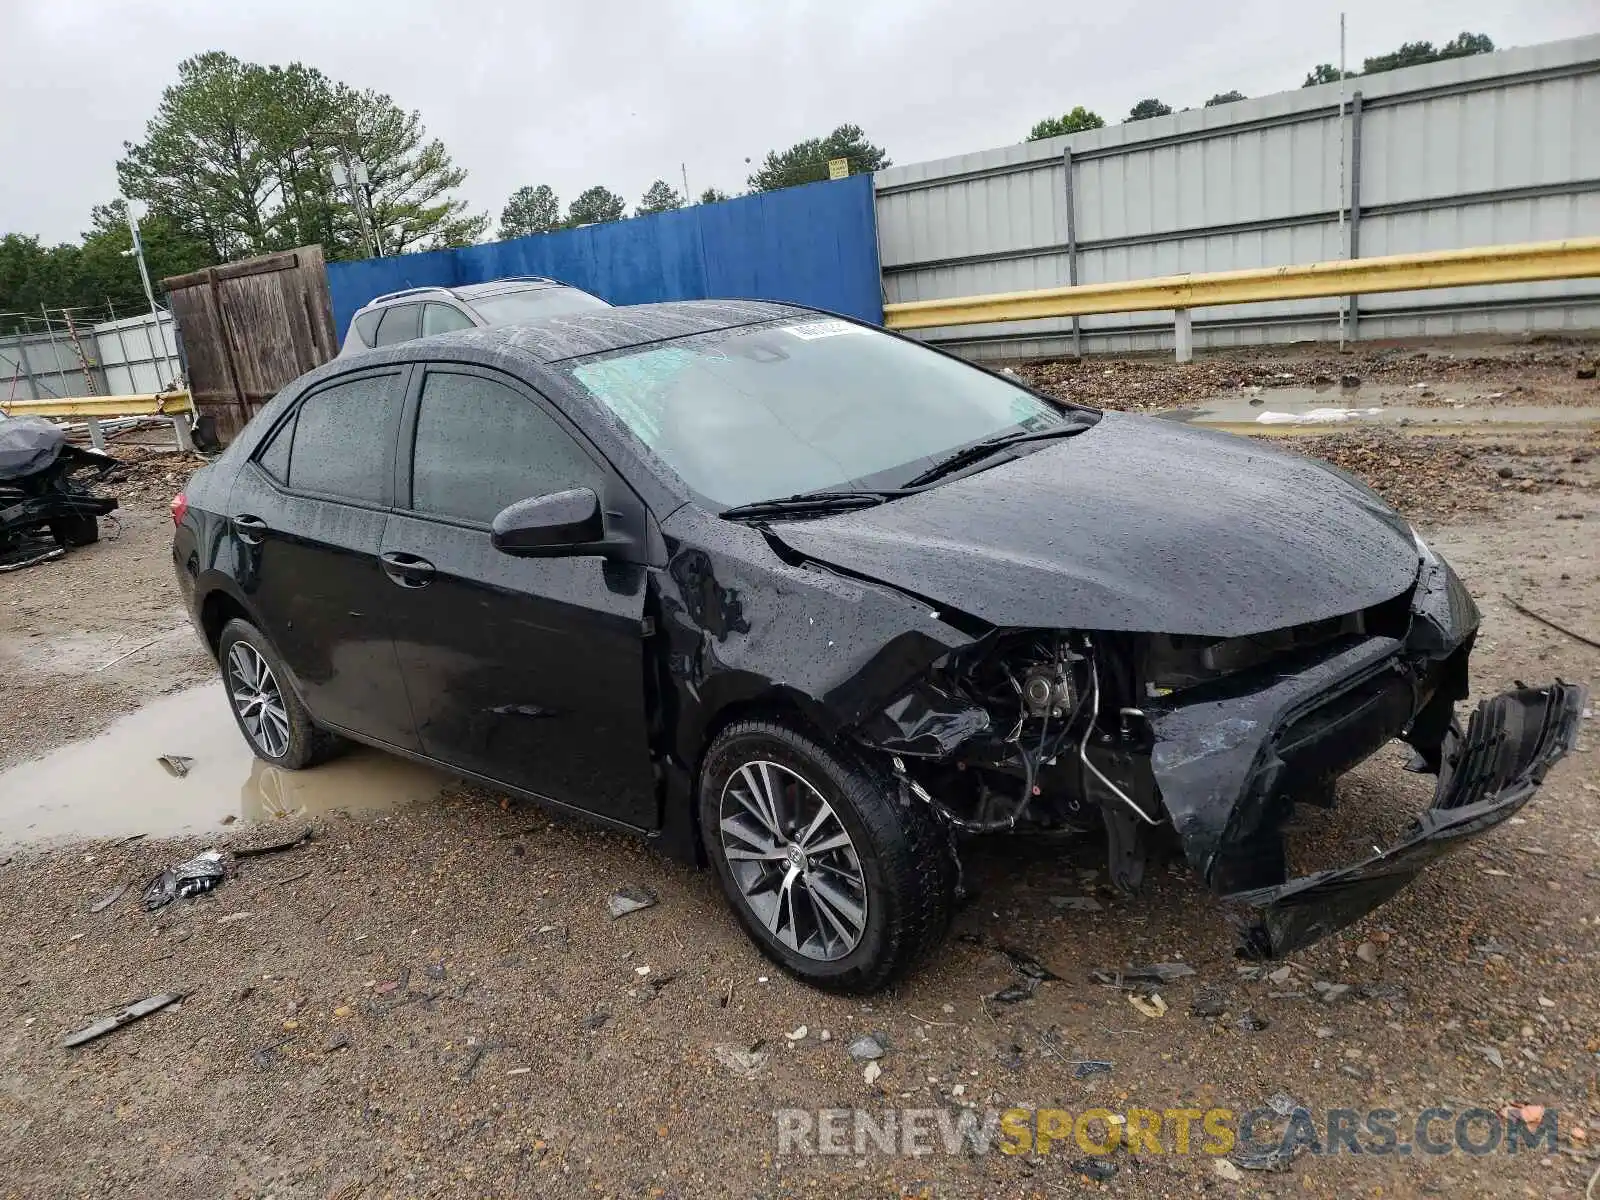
(1573, 258)
(148, 404)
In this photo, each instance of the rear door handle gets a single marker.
(407, 570)
(250, 529)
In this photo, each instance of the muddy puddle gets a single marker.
(113, 785)
(1428, 410)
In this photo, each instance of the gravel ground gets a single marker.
(437, 1002)
(1547, 372)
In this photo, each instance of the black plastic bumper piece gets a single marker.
(1486, 776)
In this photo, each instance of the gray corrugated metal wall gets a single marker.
(133, 355)
(1496, 148)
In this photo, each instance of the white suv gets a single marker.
(422, 311)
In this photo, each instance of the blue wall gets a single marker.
(814, 245)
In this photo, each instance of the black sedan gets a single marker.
(810, 602)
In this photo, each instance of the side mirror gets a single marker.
(560, 523)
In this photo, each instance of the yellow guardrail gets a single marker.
(1572, 258)
(144, 404)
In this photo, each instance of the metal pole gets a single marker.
(27, 371)
(55, 355)
(138, 255)
(1342, 246)
(684, 167)
(1072, 246)
(1352, 304)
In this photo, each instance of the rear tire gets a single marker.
(858, 880)
(274, 722)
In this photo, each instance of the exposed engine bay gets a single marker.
(1207, 745)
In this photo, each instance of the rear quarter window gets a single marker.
(365, 327)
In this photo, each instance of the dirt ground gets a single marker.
(436, 1002)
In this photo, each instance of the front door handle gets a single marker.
(250, 529)
(407, 570)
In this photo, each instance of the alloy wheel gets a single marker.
(258, 700)
(793, 861)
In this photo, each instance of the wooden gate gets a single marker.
(248, 328)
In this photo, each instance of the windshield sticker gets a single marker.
(810, 331)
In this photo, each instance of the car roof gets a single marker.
(498, 287)
(575, 335)
(493, 287)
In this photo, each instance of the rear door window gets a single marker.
(344, 439)
(399, 324)
(443, 318)
(482, 445)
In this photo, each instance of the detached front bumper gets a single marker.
(1485, 777)
(1230, 767)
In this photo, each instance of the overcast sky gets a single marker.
(621, 92)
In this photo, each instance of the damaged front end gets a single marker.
(45, 502)
(1210, 743)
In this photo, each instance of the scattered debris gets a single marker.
(1163, 972)
(871, 1073)
(1014, 993)
(128, 1015)
(287, 842)
(1281, 975)
(109, 898)
(1085, 1067)
(630, 899)
(200, 874)
(176, 764)
(1282, 1103)
(231, 918)
(337, 1042)
(1367, 952)
(1493, 1055)
(1330, 993)
(744, 1061)
(595, 1020)
(797, 1035)
(1096, 1170)
(866, 1047)
(1154, 1007)
(1272, 1158)
(1543, 620)
(435, 972)
(1026, 963)
(1251, 1022)
(1227, 1170)
(1209, 1002)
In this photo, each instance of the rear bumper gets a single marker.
(1486, 775)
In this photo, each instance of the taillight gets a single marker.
(180, 506)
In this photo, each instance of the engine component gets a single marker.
(1047, 690)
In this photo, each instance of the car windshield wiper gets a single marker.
(811, 502)
(979, 451)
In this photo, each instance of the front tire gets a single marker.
(269, 714)
(837, 874)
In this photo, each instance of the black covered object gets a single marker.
(28, 446)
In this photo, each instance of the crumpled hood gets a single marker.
(1136, 524)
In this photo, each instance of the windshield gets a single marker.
(508, 308)
(810, 403)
